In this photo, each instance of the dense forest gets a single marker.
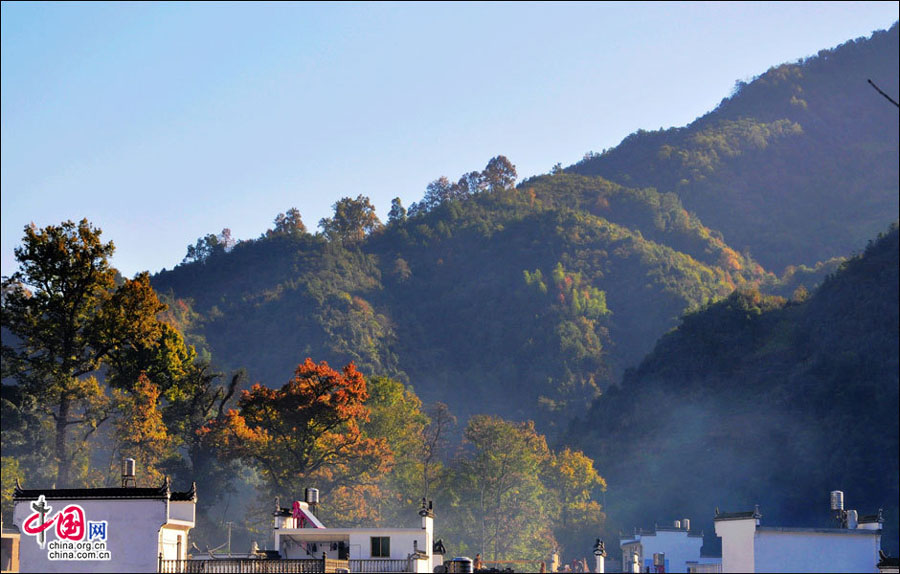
(533, 284)
(797, 166)
(756, 399)
(681, 315)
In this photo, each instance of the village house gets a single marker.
(667, 549)
(299, 534)
(121, 529)
(853, 545)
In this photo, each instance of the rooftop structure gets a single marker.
(122, 529)
(852, 546)
(673, 548)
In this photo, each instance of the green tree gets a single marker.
(288, 223)
(210, 245)
(353, 220)
(69, 318)
(572, 478)
(395, 416)
(501, 477)
(499, 174)
(397, 213)
(434, 441)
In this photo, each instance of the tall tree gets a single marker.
(139, 430)
(69, 318)
(434, 440)
(210, 245)
(288, 223)
(353, 220)
(572, 478)
(499, 174)
(309, 425)
(501, 477)
(398, 212)
(396, 417)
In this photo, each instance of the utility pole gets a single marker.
(229, 524)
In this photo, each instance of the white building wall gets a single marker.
(182, 510)
(738, 537)
(677, 545)
(401, 543)
(786, 551)
(132, 536)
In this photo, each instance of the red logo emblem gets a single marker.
(70, 523)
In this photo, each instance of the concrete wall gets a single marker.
(738, 537)
(779, 550)
(677, 545)
(132, 536)
(401, 543)
(182, 511)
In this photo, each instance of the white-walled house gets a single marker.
(300, 535)
(676, 546)
(122, 529)
(747, 546)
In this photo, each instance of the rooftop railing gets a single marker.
(282, 566)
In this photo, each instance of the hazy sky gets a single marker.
(162, 122)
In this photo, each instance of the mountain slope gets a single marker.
(798, 166)
(758, 400)
(520, 302)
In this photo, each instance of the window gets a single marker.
(381, 547)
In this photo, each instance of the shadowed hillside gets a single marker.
(756, 399)
(797, 166)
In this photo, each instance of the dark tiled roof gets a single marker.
(870, 518)
(887, 561)
(438, 547)
(160, 492)
(186, 496)
(737, 515)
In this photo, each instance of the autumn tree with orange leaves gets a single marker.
(139, 431)
(305, 433)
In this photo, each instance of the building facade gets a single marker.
(125, 529)
(747, 546)
(667, 549)
(300, 535)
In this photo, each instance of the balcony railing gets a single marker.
(282, 566)
(382, 565)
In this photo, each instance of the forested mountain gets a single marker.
(511, 304)
(759, 400)
(797, 166)
(528, 300)
(516, 301)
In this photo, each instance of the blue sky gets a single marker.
(162, 122)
